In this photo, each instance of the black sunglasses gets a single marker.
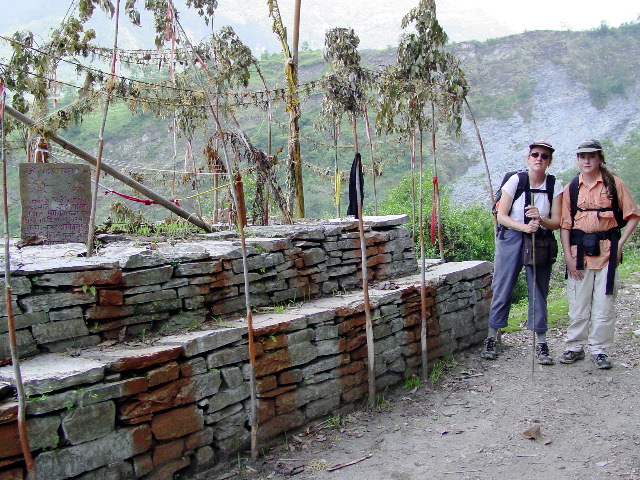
(544, 156)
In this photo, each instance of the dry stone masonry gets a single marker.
(138, 359)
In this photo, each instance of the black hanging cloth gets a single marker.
(353, 198)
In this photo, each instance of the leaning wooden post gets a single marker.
(371, 351)
(115, 173)
(13, 343)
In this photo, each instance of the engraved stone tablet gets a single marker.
(56, 201)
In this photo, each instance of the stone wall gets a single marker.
(150, 407)
(62, 300)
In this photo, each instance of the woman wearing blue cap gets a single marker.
(529, 204)
(595, 208)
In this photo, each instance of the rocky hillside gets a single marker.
(561, 86)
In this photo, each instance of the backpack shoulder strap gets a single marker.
(551, 186)
(574, 186)
(617, 211)
(523, 185)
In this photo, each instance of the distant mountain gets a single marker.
(560, 86)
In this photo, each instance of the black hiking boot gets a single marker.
(489, 352)
(601, 361)
(542, 352)
(570, 356)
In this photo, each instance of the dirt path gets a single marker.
(470, 425)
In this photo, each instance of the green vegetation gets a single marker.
(440, 367)
(468, 232)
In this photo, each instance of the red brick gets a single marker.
(355, 393)
(360, 353)
(141, 438)
(167, 396)
(290, 376)
(272, 362)
(10, 444)
(110, 297)
(352, 343)
(266, 410)
(285, 402)
(277, 391)
(277, 425)
(96, 277)
(168, 469)
(273, 342)
(168, 451)
(163, 374)
(103, 312)
(177, 423)
(351, 367)
(266, 384)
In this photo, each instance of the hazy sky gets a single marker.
(376, 22)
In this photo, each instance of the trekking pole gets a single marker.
(533, 304)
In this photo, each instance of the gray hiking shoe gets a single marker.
(542, 352)
(570, 356)
(601, 361)
(490, 352)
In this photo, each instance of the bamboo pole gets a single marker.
(87, 157)
(239, 204)
(371, 353)
(96, 178)
(435, 179)
(423, 286)
(13, 343)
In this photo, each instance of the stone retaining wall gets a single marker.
(179, 403)
(64, 301)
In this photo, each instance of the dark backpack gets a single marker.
(574, 186)
(523, 186)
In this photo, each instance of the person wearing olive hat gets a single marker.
(592, 241)
(524, 208)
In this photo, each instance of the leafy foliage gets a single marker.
(468, 232)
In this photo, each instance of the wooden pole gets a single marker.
(423, 286)
(371, 352)
(11, 326)
(87, 157)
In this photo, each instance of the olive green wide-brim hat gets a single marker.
(589, 146)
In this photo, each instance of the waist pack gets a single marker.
(546, 249)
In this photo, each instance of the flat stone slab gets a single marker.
(120, 359)
(194, 343)
(49, 372)
(54, 258)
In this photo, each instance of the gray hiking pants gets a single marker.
(507, 265)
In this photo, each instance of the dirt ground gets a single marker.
(471, 424)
